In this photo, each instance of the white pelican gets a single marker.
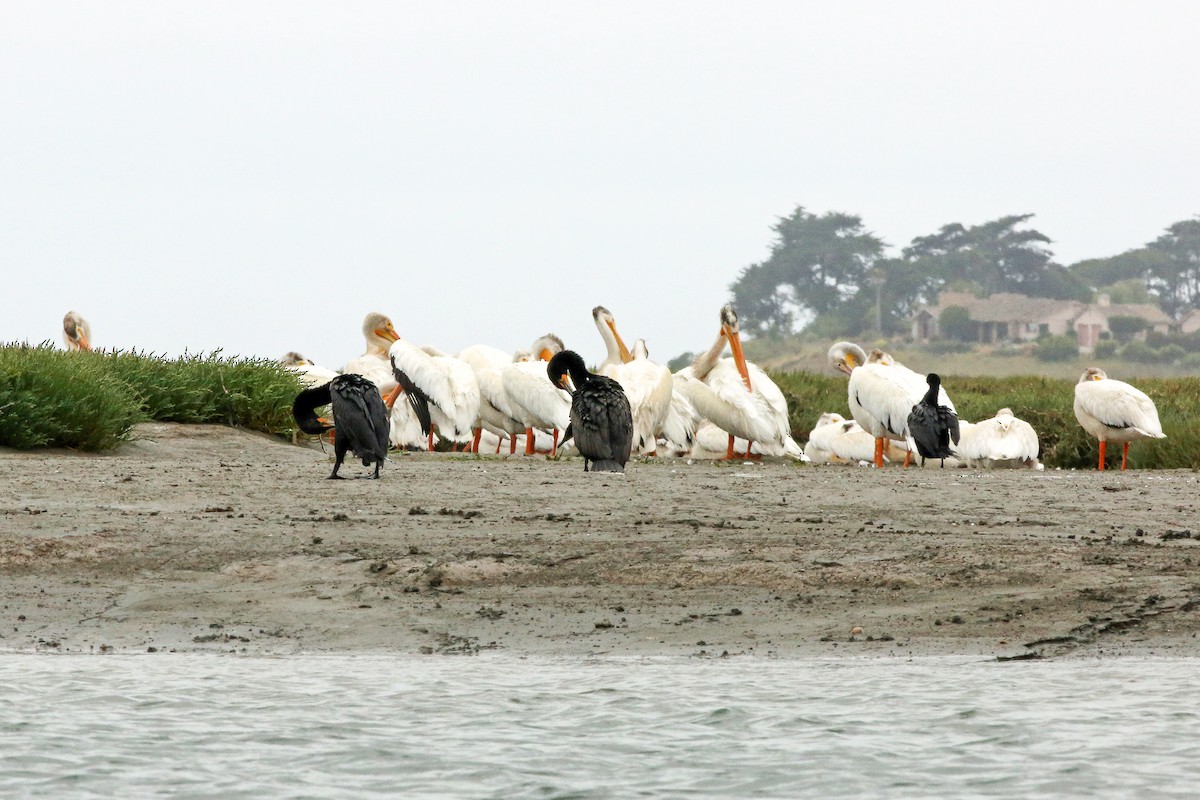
(836, 440)
(1002, 441)
(534, 400)
(648, 386)
(310, 374)
(449, 384)
(376, 366)
(819, 447)
(881, 393)
(1112, 410)
(678, 429)
(737, 396)
(77, 334)
(495, 410)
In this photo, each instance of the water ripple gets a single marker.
(497, 727)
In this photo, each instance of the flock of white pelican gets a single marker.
(717, 407)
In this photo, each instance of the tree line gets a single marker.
(828, 275)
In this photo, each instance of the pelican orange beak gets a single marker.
(84, 344)
(739, 357)
(545, 355)
(388, 332)
(626, 356)
(847, 364)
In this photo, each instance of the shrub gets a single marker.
(1171, 353)
(955, 323)
(53, 398)
(91, 400)
(1105, 349)
(1125, 328)
(1139, 351)
(1056, 348)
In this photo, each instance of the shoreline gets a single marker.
(204, 538)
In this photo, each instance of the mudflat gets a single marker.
(207, 538)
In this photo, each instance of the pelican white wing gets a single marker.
(535, 401)
(1116, 411)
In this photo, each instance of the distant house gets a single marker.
(1009, 317)
(1190, 322)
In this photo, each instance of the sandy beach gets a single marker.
(204, 538)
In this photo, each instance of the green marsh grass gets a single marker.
(90, 401)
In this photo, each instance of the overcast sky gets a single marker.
(257, 176)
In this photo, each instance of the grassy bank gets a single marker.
(1045, 403)
(90, 401)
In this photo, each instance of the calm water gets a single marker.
(503, 727)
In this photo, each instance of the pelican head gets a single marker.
(1092, 374)
(76, 332)
(879, 357)
(1005, 418)
(845, 356)
(640, 350)
(294, 359)
(546, 347)
(731, 329)
(604, 320)
(829, 418)
(378, 331)
(522, 356)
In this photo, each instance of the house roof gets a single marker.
(1012, 307)
(1009, 307)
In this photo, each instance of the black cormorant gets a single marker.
(359, 417)
(933, 426)
(601, 422)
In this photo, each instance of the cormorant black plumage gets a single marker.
(601, 421)
(360, 418)
(933, 426)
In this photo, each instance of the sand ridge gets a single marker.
(208, 538)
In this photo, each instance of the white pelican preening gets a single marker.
(1114, 411)
(448, 383)
(737, 396)
(882, 393)
(495, 411)
(77, 334)
(648, 386)
(1002, 440)
(534, 400)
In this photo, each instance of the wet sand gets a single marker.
(202, 538)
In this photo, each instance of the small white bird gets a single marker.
(1002, 441)
(1114, 411)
